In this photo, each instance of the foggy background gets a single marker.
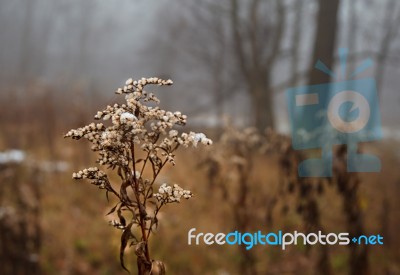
(61, 61)
(93, 46)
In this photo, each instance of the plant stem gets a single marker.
(141, 206)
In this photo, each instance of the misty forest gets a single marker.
(124, 124)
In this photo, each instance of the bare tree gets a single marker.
(237, 45)
(255, 59)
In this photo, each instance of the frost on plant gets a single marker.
(137, 136)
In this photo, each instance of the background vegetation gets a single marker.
(60, 61)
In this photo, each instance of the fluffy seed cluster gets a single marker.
(136, 122)
(169, 194)
(96, 176)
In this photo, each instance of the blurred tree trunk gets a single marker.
(253, 62)
(390, 31)
(216, 60)
(325, 38)
(262, 99)
(352, 32)
(324, 48)
(297, 24)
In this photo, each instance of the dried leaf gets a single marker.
(154, 222)
(120, 174)
(125, 237)
(112, 209)
(121, 217)
(123, 192)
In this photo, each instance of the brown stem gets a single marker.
(137, 196)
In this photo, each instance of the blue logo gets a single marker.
(340, 112)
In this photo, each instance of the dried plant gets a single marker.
(139, 138)
(229, 166)
(305, 191)
(348, 185)
(20, 215)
